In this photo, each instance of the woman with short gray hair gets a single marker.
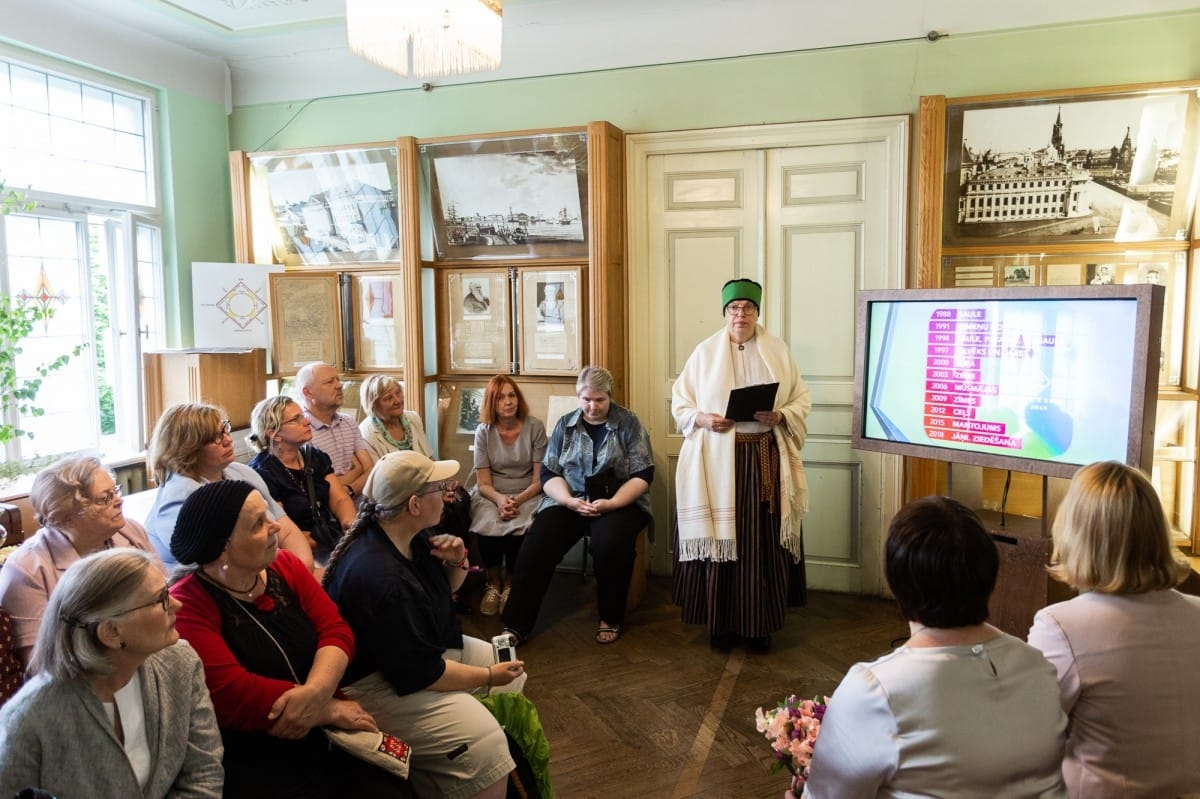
(595, 478)
(110, 678)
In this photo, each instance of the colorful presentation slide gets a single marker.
(1043, 379)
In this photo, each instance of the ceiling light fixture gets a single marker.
(426, 38)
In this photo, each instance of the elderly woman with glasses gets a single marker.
(116, 704)
(191, 445)
(289, 464)
(79, 505)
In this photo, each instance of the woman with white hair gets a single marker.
(116, 705)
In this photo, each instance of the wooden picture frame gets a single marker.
(474, 305)
(1111, 164)
(306, 320)
(509, 197)
(323, 207)
(550, 301)
(379, 322)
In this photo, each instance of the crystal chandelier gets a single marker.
(445, 37)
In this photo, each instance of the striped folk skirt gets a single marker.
(747, 597)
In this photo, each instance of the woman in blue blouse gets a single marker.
(595, 476)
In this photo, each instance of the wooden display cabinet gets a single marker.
(232, 379)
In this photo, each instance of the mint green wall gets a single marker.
(197, 226)
(828, 84)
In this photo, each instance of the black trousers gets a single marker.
(554, 532)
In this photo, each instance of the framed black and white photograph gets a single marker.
(549, 321)
(1113, 166)
(474, 307)
(323, 207)
(1020, 275)
(511, 197)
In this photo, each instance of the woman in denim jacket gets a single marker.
(597, 471)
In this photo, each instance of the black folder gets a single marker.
(743, 402)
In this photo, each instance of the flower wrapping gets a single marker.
(792, 728)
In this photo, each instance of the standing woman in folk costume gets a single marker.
(740, 487)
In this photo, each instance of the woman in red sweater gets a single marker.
(274, 649)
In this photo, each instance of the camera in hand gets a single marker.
(505, 648)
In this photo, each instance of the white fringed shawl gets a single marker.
(704, 478)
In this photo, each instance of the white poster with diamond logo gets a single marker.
(231, 305)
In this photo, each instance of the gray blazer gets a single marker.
(55, 736)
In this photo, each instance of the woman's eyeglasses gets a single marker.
(297, 419)
(434, 488)
(226, 429)
(741, 310)
(162, 598)
(108, 497)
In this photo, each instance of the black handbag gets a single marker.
(325, 532)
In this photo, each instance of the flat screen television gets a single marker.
(1040, 379)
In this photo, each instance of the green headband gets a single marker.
(741, 289)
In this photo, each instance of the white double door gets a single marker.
(814, 212)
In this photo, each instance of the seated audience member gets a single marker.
(334, 433)
(595, 475)
(273, 648)
(191, 445)
(1127, 648)
(414, 669)
(509, 447)
(961, 709)
(388, 427)
(115, 706)
(78, 504)
(287, 463)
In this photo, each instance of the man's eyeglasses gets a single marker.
(434, 488)
(226, 429)
(108, 497)
(741, 310)
(162, 598)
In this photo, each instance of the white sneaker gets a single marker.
(504, 597)
(491, 603)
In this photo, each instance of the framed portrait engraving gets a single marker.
(378, 321)
(475, 307)
(325, 207)
(508, 197)
(1097, 165)
(549, 320)
(306, 320)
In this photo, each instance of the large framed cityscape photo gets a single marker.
(325, 207)
(511, 196)
(1113, 164)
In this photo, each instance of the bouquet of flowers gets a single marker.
(792, 729)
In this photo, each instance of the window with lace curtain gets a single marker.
(81, 146)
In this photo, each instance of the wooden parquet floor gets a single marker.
(660, 715)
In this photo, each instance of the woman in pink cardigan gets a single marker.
(1126, 649)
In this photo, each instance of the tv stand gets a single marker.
(1023, 587)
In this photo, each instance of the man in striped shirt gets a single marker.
(336, 434)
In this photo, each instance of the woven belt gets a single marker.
(768, 464)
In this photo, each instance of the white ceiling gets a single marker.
(281, 50)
